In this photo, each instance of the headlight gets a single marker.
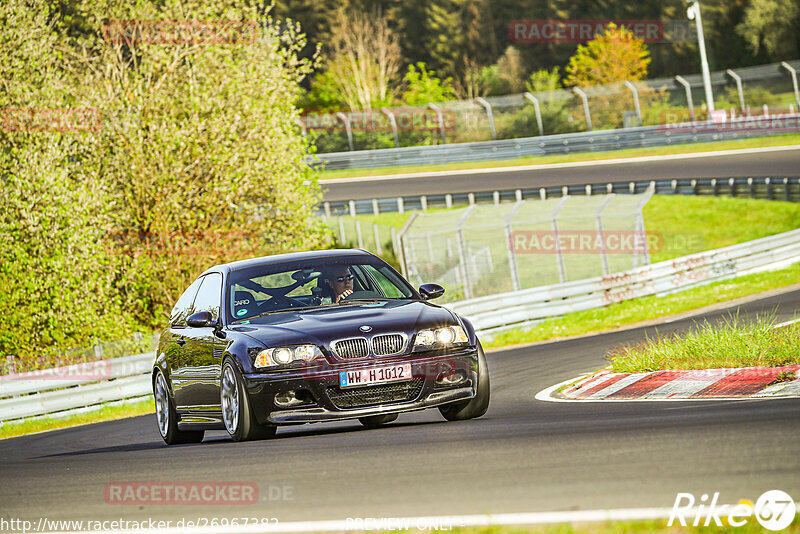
(286, 355)
(440, 337)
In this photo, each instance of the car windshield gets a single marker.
(313, 283)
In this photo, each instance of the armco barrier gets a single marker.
(646, 136)
(67, 388)
(508, 310)
(76, 386)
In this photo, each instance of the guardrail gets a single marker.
(785, 188)
(65, 389)
(595, 141)
(495, 313)
(84, 385)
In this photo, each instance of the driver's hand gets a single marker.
(346, 293)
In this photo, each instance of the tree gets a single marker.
(772, 26)
(365, 59)
(422, 86)
(196, 160)
(616, 56)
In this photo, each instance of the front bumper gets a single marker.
(321, 386)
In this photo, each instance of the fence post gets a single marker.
(377, 233)
(352, 205)
(423, 200)
(401, 208)
(393, 122)
(375, 209)
(635, 92)
(512, 256)
(538, 111)
(482, 101)
(342, 236)
(462, 252)
(401, 247)
(599, 226)
(327, 206)
(793, 73)
(688, 87)
(739, 89)
(578, 91)
(562, 269)
(358, 235)
(440, 119)
(341, 116)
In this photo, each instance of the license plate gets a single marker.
(375, 375)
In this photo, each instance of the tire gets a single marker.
(477, 405)
(167, 417)
(375, 421)
(236, 413)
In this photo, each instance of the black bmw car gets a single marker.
(311, 337)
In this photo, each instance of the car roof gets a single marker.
(282, 258)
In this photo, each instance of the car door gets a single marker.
(199, 391)
(175, 336)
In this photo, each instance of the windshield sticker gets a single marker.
(374, 305)
(241, 312)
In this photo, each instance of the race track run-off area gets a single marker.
(524, 456)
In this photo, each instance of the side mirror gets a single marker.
(200, 319)
(431, 291)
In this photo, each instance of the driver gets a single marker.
(340, 280)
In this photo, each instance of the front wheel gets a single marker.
(167, 417)
(236, 413)
(477, 405)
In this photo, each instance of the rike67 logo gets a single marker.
(774, 510)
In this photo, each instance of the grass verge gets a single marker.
(735, 343)
(107, 413)
(636, 310)
(759, 142)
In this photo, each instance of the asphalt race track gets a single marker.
(524, 455)
(772, 163)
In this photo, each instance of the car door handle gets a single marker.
(181, 341)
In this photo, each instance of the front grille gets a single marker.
(388, 344)
(374, 395)
(356, 347)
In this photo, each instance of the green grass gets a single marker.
(734, 343)
(683, 224)
(107, 413)
(758, 142)
(636, 310)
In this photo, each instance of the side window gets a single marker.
(181, 309)
(208, 297)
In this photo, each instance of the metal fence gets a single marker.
(498, 312)
(760, 91)
(488, 249)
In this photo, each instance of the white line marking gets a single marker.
(430, 523)
(618, 385)
(570, 165)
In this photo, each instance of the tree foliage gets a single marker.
(196, 161)
(616, 56)
(364, 59)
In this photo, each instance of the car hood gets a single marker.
(323, 325)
